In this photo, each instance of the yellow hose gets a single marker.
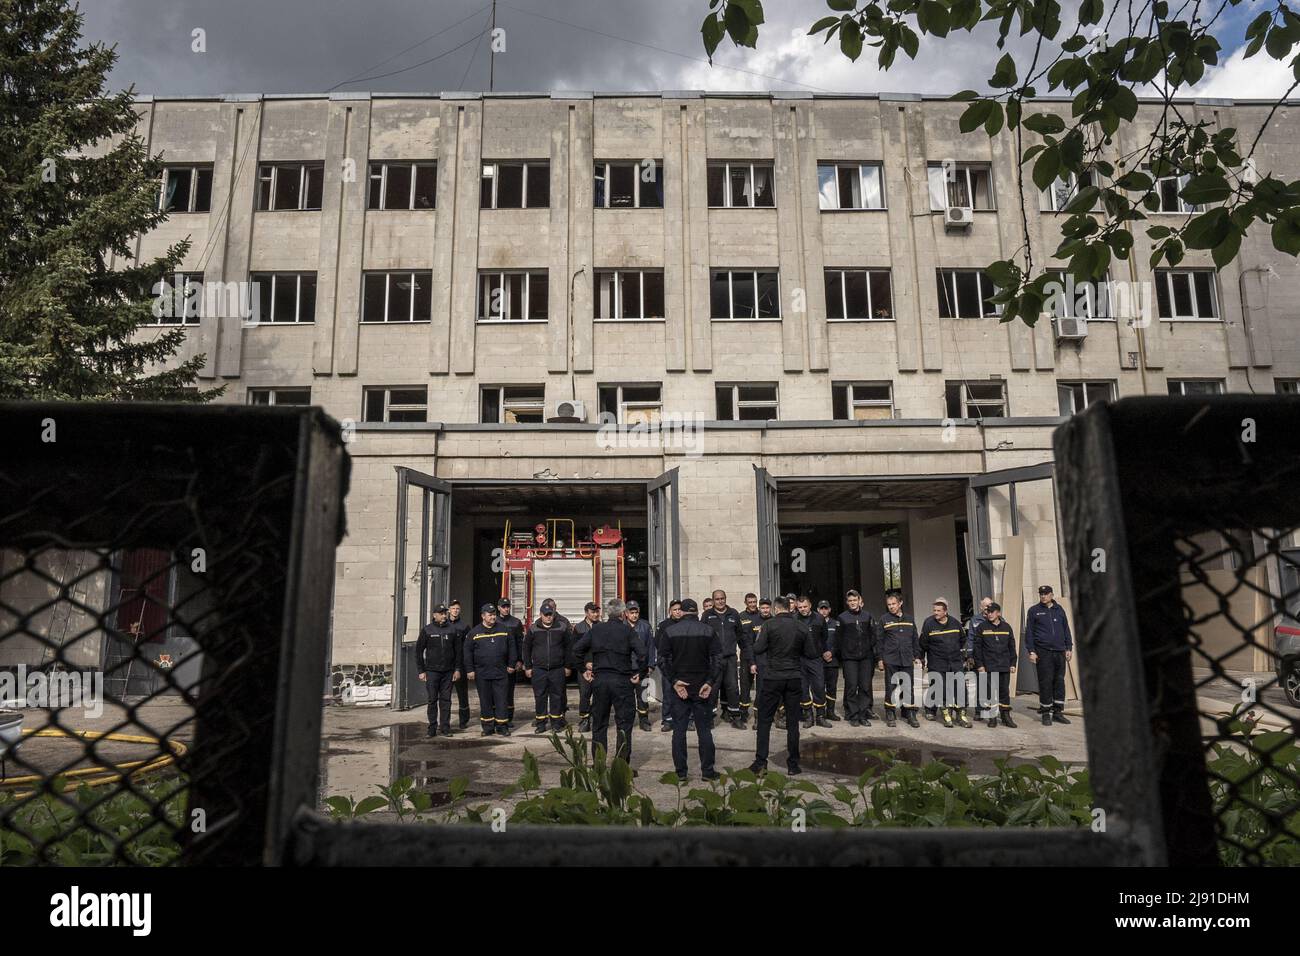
(99, 775)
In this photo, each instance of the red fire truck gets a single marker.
(550, 561)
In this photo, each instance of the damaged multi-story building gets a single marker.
(503, 296)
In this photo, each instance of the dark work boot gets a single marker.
(993, 721)
(890, 721)
(1059, 717)
(539, 726)
(645, 722)
(911, 718)
(1006, 718)
(830, 712)
(1047, 719)
(433, 731)
(822, 721)
(584, 725)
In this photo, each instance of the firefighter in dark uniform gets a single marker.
(856, 644)
(462, 684)
(943, 640)
(617, 664)
(592, 617)
(644, 631)
(489, 658)
(900, 653)
(1047, 638)
(548, 647)
(750, 621)
(813, 703)
(437, 656)
(756, 668)
(731, 634)
(516, 628)
(830, 668)
(690, 662)
(674, 615)
(995, 658)
(786, 646)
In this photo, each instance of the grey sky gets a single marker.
(304, 46)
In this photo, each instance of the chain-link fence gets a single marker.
(1181, 526)
(163, 618)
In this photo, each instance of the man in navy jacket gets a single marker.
(1047, 638)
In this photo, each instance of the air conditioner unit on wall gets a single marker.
(568, 410)
(1071, 328)
(958, 217)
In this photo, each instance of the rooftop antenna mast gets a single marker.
(492, 49)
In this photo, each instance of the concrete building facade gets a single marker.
(780, 272)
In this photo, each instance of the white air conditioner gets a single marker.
(1070, 328)
(570, 409)
(958, 217)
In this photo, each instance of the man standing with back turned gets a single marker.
(787, 646)
(690, 662)
(617, 664)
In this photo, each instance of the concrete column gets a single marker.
(464, 278)
(572, 232)
(932, 561)
(1022, 341)
(343, 214)
(699, 328)
(900, 199)
(235, 247)
(677, 233)
(923, 242)
(795, 326)
(450, 169)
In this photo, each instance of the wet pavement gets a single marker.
(364, 748)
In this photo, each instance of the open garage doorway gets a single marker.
(455, 540)
(822, 536)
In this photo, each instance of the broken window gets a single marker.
(966, 294)
(403, 185)
(1186, 294)
(513, 296)
(402, 404)
(516, 185)
(279, 396)
(629, 185)
(1058, 195)
(746, 403)
(630, 404)
(862, 401)
(629, 294)
(397, 297)
(1195, 386)
(740, 185)
(736, 294)
(1074, 397)
(850, 186)
(960, 184)
(287, 186)
(512, 405)
(858, 294)
(968, 399)
(179, 299)
(186, 189)
(285, 296)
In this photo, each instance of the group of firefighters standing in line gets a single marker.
(784, 652)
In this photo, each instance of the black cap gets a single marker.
(1045, 589)
(763, 601)
(823, 604)
(488, 609)
(994, 606)
(548, 606)
(852, 592)
(504, 602)
(440, 609)
(591, 606)
(633, 606)
(689, 605)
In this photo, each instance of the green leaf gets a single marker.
(370, 805)
(1047, 167)
(712, 32)
(1004, 74)
(1206, 188)
(1044, 123)
(1091, 11)
(975, 115)
(1208, 229)
(825, 23)
(842, 5)
(932, 17)
(741, 31)
(851, 39)
(909, 41)
(994, 123)
(1227, 250)
(1286, 233)
(1279, 42)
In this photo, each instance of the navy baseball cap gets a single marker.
(824, 604)
(504, 602)
(440, 609)
(591, 606)
(488, 609)
(688, 604)
(548, 606)
(633, 606)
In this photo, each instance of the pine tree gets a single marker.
(77, 186)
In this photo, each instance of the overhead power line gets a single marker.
(431, 36)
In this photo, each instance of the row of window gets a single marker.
(621, 294)
(642, 403)
(624, 185)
